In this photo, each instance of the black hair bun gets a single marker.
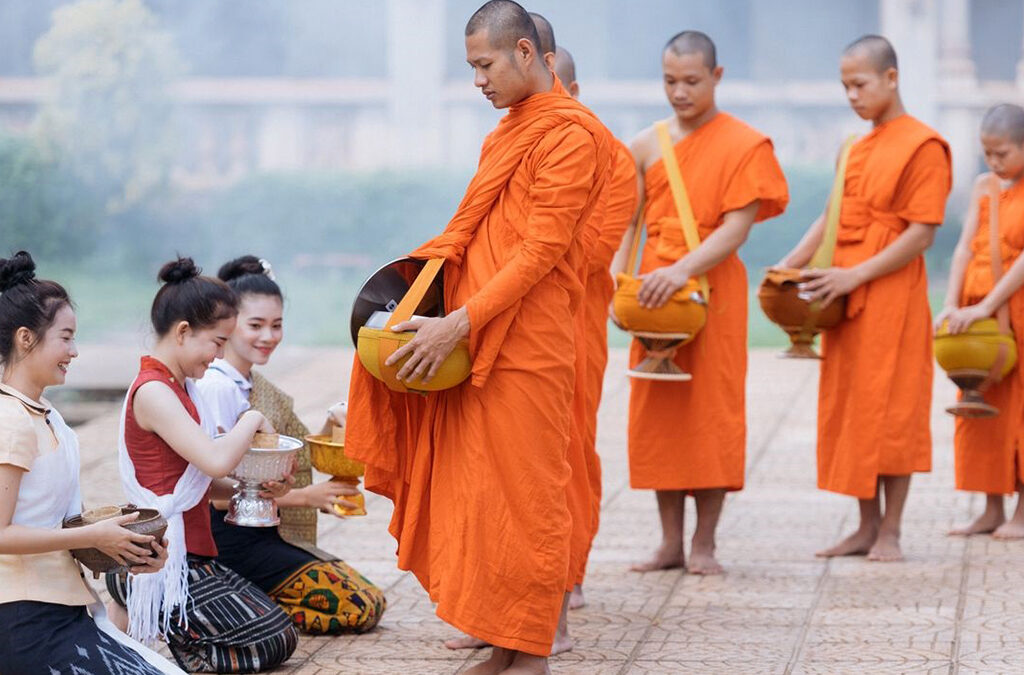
(178, 271)
(16, 270)
(239, 267)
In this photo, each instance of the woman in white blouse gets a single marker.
(53, 622)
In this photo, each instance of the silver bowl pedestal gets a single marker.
(247, 508)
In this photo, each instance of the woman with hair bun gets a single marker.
(213, 620)
(53, 622)
(322, 594)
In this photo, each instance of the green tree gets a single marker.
(110, 117)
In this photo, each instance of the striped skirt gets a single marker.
(233, 626)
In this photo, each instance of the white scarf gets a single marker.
(149, 594)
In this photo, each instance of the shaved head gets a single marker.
(506, 23)
(1004, 121)
(565, 66)
(693, 42)
(877, 49)
(545, 32)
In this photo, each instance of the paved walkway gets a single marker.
(955, 606)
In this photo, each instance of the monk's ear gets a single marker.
(892, 77)
(525, 50)
(716, 74)
(574, 89)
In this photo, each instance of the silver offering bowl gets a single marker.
(259, 465)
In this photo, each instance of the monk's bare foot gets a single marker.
(702, 561)
(987, 522)
(465, 642)
(528, 664)
(563, 643)
(499, 661)
(665, 558)
(886, 548)
(576, 600)
(858, 543)
(1013, 529)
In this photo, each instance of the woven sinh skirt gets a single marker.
(233, 626)
(43, 638)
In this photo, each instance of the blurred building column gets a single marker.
(912, 27)
(957, 87)
(416, 36)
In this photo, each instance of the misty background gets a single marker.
(330, 136)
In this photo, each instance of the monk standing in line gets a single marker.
(478, 473)
(618, 209)
(989, 456)
(874, 397)
(689, 437)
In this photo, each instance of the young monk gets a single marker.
(213, 619)
(988, 451)
(321, 594)
(876, 374)
(53, 622)
(478, 472)
(689, 437)
(618, 209)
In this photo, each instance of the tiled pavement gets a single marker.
(955, 606)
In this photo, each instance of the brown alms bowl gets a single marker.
(149, 522)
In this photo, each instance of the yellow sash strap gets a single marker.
(679, 196)
(825, 254)
(404, 312)
(823, 257)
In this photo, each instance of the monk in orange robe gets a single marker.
(989, 451)
(604, 237)
(875, 389)
(478, 473)
(689, 437)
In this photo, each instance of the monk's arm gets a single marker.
(802, 253)
(961, 255)
(560, 192)
(834, 282)
(659, 285)
(639, 149)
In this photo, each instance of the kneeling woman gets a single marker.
(321, 593)
(213, 619)
(52, 620)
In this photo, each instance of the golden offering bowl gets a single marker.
(973, 360)
(783, 302)
(660, 330)
(453, 371)
(328, 456)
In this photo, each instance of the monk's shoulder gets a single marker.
(644, 147)
(914, 133)
(737, 134)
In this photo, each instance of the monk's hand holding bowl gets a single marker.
(830, 283)
(659, 286)
(943, 315)
(435, 339)
(961, 319)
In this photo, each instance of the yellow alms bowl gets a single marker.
(685, 312)
(329, 457)
(453, 371)
(976, 349)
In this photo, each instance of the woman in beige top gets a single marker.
(52, 620)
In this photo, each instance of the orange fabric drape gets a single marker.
(691, 435)
(875, 387)
(988, 451)
(478, 473)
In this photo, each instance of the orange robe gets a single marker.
(875, 390)
(988, 451)
(478, 473)
(603, 235)
(691, 435)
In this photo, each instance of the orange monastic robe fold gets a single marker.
(604, 233)
(875, 391)
(988, 451)
(691, 435)
(478, 473)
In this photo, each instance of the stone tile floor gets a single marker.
(954, 606)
